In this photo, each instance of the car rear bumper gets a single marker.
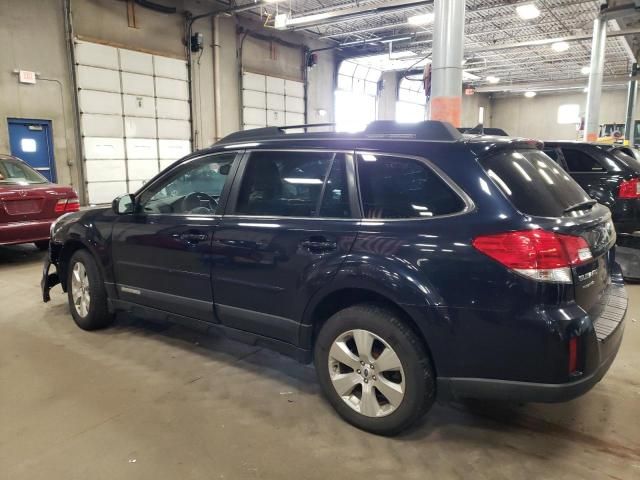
(607, 329)
(24, 232)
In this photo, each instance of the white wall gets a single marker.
(537, 117)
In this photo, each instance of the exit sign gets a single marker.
(25, 76)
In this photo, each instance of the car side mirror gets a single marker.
(124, 204)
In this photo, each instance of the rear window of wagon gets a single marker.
(533, 182)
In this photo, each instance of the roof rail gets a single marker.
(427, 130)
(269, 132)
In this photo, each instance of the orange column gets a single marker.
(447, 109)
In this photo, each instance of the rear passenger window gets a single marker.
(292, 184)
(395, 187)
(578, 161)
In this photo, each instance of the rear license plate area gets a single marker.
(23, 207)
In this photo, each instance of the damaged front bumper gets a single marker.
(49, 280)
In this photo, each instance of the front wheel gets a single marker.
(86, 293)
(374, 370)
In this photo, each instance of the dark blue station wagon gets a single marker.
(408, 262)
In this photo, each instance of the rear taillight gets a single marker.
(573, 355)
(629, 188)
(65, 205)
(538, 254)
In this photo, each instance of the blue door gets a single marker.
(30, 140)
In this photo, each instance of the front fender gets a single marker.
(90, 229)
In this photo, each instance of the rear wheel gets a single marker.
(86, 293)
(42, 245)
(374, 369)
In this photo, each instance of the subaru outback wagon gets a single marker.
(408, 262)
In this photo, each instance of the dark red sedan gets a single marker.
(29, 203)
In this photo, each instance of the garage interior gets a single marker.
(123, 88)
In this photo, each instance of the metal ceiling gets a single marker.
(488, 23)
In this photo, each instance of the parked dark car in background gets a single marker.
(407, 261)
(611, 175)
(29, 203)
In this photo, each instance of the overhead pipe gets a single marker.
(190, 20)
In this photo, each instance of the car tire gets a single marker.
(42, 245)
(375, 406)
(86, 292)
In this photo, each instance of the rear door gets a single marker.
(289, 224)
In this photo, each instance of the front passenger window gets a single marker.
(193, 189)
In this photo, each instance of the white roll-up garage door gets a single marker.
(271, 101)
(134, 116)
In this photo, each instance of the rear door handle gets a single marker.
(319, 245)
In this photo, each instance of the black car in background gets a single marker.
(610, 174)
(406, 261)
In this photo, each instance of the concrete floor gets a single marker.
(143, 401)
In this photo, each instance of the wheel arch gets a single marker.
(70, 247)
(342, 298)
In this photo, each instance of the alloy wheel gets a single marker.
(80, 289)
(366, 373)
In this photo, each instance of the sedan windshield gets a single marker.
(15, 172)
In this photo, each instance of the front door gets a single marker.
(287, 229)
(162, 251)
(30, 140)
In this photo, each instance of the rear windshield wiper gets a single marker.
(580, 206)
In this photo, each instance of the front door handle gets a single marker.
(319, 245)
(193, 237)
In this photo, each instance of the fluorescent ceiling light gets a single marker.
(560, 46)
(423, 19)
(492, 79)
(585, 70)
(529, 94)
(528, 11)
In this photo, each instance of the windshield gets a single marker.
(534, 183)
(15, 172)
